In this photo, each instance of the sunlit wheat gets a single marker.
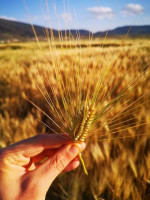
(95, 91)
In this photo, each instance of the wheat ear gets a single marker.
(82, 127)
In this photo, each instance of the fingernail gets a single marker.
(82, 145)
(77, 147)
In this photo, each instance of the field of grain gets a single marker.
(65, 75)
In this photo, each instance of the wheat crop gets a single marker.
(95, 90)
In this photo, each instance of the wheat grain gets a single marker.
(87, 116)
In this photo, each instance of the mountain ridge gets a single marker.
(10, 30)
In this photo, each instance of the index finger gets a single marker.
(35, 145)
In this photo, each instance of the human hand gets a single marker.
(23, 172)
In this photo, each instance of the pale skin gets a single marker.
(28, 168)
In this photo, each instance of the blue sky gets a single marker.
(93, 15)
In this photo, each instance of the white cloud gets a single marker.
(67, 17)
(46, 17)
(146, 18)
(34, 18)
(8, 18)
(133, 9)
(102, 12)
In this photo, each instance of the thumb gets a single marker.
(49, 170)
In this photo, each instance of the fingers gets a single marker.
(61, 160)
(72, 165)
(35, 145)
(42, 157)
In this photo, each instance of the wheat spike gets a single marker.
(82, 127)
(84, 122)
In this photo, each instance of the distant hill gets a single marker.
(11, 30)
(18, 30)
(131, 30)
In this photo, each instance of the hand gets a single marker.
(28, 168)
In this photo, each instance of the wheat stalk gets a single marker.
(82, 126)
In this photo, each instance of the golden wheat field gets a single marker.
(45, 87)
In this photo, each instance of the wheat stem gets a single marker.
(83, 164)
